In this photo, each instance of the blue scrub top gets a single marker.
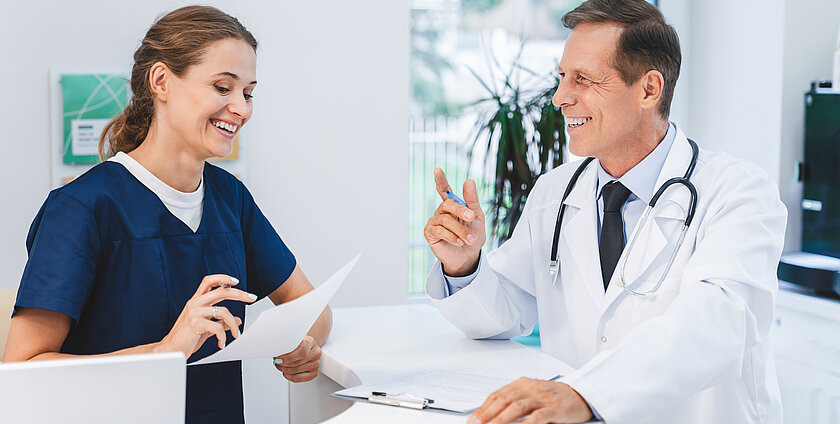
(105, 251)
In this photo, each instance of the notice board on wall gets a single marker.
(89, 102)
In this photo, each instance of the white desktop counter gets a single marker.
(369, 344)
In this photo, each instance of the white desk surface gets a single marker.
(369, 344)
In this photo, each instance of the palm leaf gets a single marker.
(524, 134)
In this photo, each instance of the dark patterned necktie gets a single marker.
(611, 242)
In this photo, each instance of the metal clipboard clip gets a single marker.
(403, 400)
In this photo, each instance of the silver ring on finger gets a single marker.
(215, 311)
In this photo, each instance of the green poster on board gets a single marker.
(89, 102)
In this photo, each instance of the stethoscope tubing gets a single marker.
(561, 212)
(685, 180)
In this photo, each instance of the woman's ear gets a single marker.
(159, 75)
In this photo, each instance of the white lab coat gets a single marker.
(699, 352)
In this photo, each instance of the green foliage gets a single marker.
(525, 131)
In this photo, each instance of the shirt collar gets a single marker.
(641, 179)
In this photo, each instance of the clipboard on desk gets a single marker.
(452, 389)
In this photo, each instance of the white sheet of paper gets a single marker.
(280, 329)
(458, 387)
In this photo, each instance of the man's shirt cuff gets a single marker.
(453, 284)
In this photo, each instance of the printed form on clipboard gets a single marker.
(455, 387)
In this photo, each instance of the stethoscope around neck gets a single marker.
(554, 264)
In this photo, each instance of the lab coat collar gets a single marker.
(658, 237)
(582, 193)
(582, 215)
(675, 166)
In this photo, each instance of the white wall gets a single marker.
(678, 14)
(334, 133)
(735, 66)
(746, 67)
(328, 144)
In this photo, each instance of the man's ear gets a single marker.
(159, 76)
(652, 84)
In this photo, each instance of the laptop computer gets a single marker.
(116, 389)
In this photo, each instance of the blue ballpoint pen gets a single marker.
(455, 197)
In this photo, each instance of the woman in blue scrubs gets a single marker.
(156, 250)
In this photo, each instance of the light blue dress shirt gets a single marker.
(640, 180)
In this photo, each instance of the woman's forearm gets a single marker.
(321, 329)
(38, 334)
(147, 348)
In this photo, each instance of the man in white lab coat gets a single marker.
(696, 349)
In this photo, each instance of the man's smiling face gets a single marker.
(600, 109)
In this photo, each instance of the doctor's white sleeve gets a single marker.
(499, 303)
(712, 330)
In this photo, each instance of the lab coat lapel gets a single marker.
(580, 233)
(656, 239)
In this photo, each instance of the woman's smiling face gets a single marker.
(206, 108)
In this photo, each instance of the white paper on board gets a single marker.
(280, 329)
(461, 386)
(84, 134)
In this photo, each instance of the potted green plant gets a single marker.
(524, 138)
